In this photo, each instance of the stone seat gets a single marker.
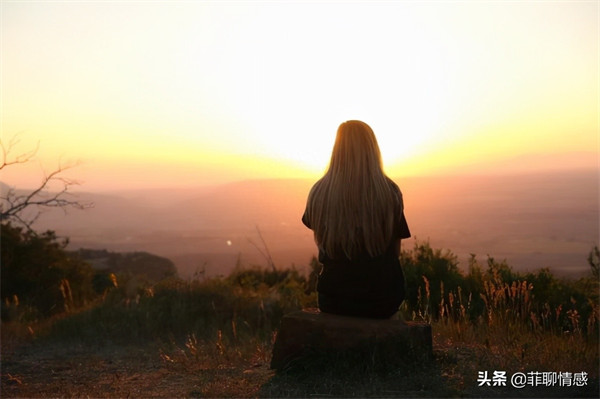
(384, 342)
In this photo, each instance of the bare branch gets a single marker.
(13, 205)
(20, 158)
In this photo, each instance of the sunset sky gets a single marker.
(159, 94)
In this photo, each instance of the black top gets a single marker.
(366, 281)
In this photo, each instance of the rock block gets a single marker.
(386, 342)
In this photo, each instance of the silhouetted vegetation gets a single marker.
(39, 278)
(487, 317)
(437, 289)
(23, 208)
(145, 267)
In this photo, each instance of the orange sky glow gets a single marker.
(160, 94)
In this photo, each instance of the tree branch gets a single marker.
(14, 205)
(24, 157)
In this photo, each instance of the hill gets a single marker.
(143, 265)
(536, 220)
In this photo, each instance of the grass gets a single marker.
(219, 333)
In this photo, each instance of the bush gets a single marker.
(39, 278)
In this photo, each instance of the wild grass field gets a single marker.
(212, 337)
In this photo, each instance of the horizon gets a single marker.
(585, 161)
(149, 94)
(532, 220)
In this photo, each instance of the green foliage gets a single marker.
(39, 278)
(487, 317)
(424, 269)
(247, 303)
(147, 267)
(438, 290)
(251, 301)
(527, 318)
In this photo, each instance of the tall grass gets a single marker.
(248, 304)
(510, 324)
(502, 319)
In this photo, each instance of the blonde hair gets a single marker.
(351, 208)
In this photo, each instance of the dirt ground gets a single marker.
(121, 372)
(102, 370)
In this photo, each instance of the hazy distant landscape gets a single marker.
(532, 221)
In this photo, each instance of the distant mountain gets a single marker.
(533, 220)
(143, 265)
(546, 163)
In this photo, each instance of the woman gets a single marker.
(357, 215)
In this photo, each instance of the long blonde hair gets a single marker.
(351, 208)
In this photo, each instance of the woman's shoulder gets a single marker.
(394, 187)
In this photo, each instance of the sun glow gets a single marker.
(153, 93)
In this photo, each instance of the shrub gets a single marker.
(39, 278)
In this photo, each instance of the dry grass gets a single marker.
(214, 338)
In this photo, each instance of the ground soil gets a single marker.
(98, 371)
(32, 369)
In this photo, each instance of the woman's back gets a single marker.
(357, 215)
